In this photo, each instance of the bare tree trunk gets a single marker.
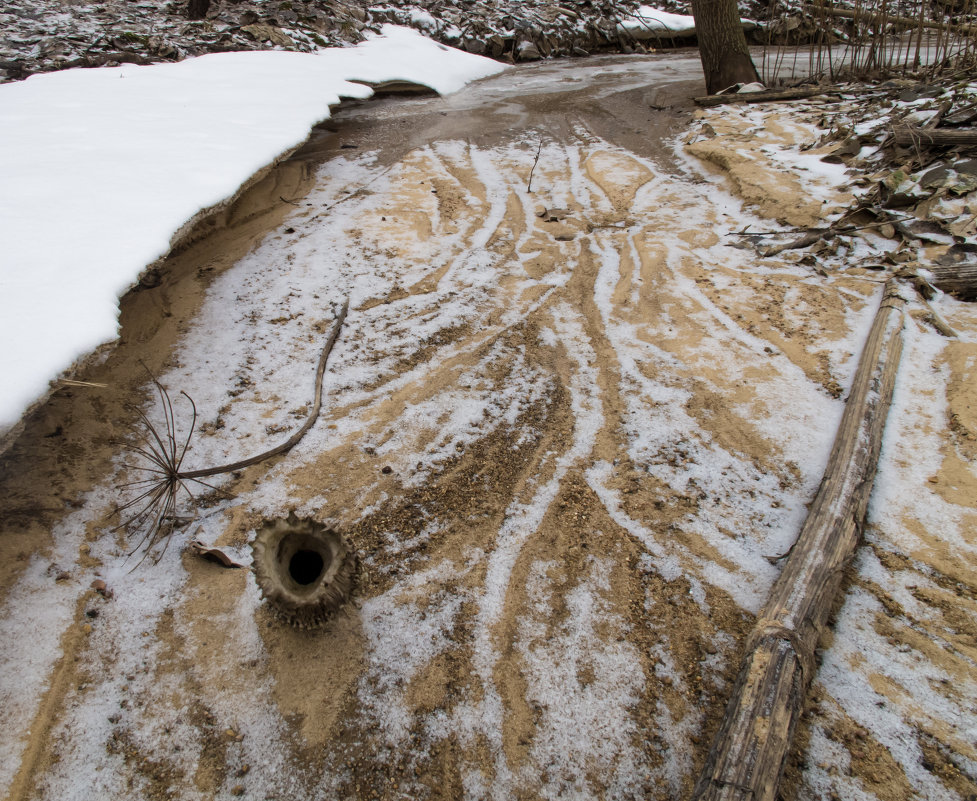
(722, 44)
(197, 9)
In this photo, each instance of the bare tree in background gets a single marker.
(722, 44)
(197, 9)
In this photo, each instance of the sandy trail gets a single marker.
(599, 423)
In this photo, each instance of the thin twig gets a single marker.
(539, 149)
(155, 504)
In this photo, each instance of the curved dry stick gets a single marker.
(166, 456)
(293, 440)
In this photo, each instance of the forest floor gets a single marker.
(570, 423)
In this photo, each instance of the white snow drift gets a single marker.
(648, 22)
(100, 167)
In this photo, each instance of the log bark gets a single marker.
(959, 280)
(722, 45)
(747, 756)
(914, 135)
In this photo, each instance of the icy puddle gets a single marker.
(569, 431)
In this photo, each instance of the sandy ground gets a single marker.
(566, 447)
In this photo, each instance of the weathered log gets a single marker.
(937, 137)
(769, 96)
(101, 59)
(959, 280)
(747, 755)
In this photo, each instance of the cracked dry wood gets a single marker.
(959, 280)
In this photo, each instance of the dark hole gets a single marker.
(305, 566)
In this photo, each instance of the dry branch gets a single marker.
(293, 440)
(937, 321)
(151, 514)
(747, 756)
(539, 149)
(810, 238)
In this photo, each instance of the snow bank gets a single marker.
(648, 22)
(652, 23)
(100, 167)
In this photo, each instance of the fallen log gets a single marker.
(101, 59)
(746, 759)
(959, 280)
(913, 135)
(769, 96)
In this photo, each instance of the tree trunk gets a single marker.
(197, 9)
(747, 755)
(722, 45)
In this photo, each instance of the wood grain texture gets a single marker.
(911, 135)
(959, 280)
